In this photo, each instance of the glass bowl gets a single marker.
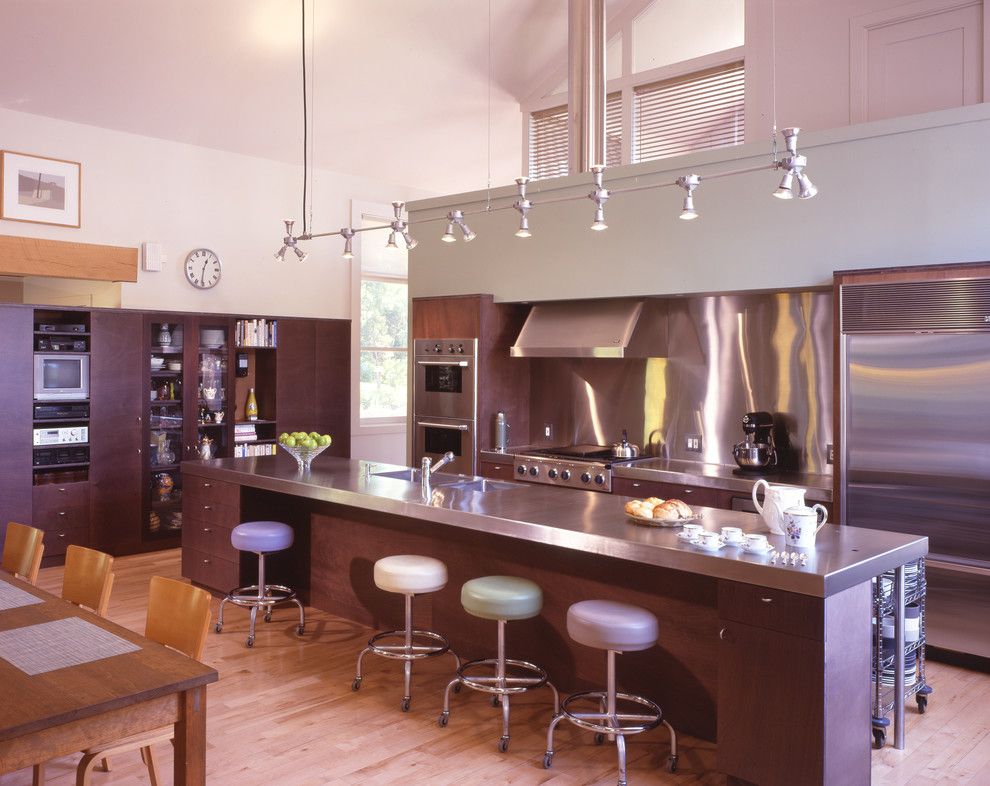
(303, 456)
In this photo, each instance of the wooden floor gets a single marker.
(283, 713)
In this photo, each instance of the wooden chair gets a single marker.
(22, 550)
(87, 582)
(178, 617)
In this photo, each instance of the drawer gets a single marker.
(499, 471)
(205, 491)
(58, 540)
(211, 539)
(210, 571)
(60, 495)
(772, 609)
(210, 512)
(68, 517)
(692, 495)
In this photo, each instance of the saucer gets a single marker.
(738, 543)
(687, 537)
(755, 549)
(709, 549)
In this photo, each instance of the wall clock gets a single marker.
(203, 268)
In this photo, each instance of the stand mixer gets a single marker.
(757, 452)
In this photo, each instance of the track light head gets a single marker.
(348, 234)
(411, 242)
(466, 231)
(300, 253)
(806, 189)
(785, 189)
(523, 230)
(599, 223)
(688, 212)
(523, 205)
(448, 234)
(280, 254)
(391, 240)
(599, 196)
(688, 183)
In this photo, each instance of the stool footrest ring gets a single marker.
(509, 684)
(438, 645)
(620, 722)
(249, 596)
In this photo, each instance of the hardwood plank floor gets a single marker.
(283, 713)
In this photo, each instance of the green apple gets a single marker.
(323, 441)
(290, 442)
(283, 436)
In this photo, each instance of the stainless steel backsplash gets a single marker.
(729, 354)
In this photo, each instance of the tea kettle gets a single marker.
(625, 449)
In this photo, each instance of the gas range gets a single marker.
(575, 466)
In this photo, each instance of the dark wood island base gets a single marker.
(778, 679)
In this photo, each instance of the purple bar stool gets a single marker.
(261, 537)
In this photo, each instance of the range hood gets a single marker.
(593, 329)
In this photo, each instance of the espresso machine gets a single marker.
(758, 452)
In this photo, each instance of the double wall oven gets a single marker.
(445, 401)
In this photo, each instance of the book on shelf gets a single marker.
(245, 432)
(256, 333)
(243, 451)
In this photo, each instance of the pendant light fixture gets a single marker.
(348, 234)
(523, 205)
(599, 196)
(688, 183)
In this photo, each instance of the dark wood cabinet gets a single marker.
(16, 391)
(692, 495)
(501, 470)
(211, 509)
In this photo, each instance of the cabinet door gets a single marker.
(117, 450)
(770, 713)
(295, 375)
(692, 495)
(333, 383)
(499, 471)
(16, 393)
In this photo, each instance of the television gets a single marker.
(61, 377)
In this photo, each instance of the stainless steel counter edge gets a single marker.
(714, 476)
(580, 520)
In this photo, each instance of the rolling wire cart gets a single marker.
(883, 655)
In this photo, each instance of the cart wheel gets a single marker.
(301, 630)
(879, 738)
(406, 701)
(922, 703)
(443, 719)
(457, 687)
(503, 744)
(356, 685)
(547, 760)
(672, 764)
(268, 616)
(496, 701)
(250, 641)
(218, 627)
(599, 738)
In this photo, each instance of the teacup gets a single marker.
(732, 534)
(756, 543)
(692, 530)
(802, 523)
(708, 539)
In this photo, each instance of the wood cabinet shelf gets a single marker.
(60, 466)
(60, 421)
(59, 333)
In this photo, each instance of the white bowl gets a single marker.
(174, 365)
(157, 362)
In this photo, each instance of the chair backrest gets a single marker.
(22, 550)
(178, 616)
(88, 578)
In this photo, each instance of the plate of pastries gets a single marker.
(660, 512)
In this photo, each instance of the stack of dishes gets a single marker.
(910, 580)
(210, 338)
(157, 363)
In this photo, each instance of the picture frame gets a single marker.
(40, 190)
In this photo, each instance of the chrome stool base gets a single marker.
(612, 720)
(261, 596)
(501, 684)
(414, 645)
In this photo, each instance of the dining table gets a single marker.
(71, 680)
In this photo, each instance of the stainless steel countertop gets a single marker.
(574, 519)
(694, 473)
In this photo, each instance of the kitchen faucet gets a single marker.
(429, 467)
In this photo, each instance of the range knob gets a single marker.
(551, 473)
(600, 479)
(450, 349)
(534, 471)
(460, 348)
(565, 474)
(585, 477)
(521, 469)
(437, 348)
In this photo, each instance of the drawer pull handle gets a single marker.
(636, 485)
(207, 485)
(61, 490)
(207, 530)
(206, 562)
(721, 634)
(138, 418)
(767, 600)
(688, 491)
(207, 507)
(61, 513)
(62, 535)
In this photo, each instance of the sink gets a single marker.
(484, 484)
(416, 475)
(459, 482)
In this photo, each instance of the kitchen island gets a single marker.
(770, 662)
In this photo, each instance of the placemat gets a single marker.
(12, 597)
(37, 649)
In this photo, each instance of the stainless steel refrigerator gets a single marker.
(915, 436)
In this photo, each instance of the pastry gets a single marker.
(672, 510)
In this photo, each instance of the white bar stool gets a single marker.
(408, 575)
(261, 537)
(500, 598)
(615, 627)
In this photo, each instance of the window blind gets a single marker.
(548, 139)
(698, 112)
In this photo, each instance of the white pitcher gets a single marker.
(776, 499)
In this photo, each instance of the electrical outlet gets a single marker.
(830, 451)
(692, 443)
(548, 430)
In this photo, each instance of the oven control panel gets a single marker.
(589, 475)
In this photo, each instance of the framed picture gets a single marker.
(38, 189)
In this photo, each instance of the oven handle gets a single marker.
(462, 363)
(428, 424)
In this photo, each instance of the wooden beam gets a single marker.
(31, 256)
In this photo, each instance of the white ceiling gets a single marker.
(401, 86)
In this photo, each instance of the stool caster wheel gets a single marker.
(443, 720)
(879, 738)
(599, 738)
(672, 764)
(356, 685)
(250, 641)
(496, 701)
(218, 627)
(547, 760)
(922, 703)
(301, 630)
(404, 705)
(268, 616)
(503, 744)
(457, 688)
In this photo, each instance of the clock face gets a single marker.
(203, 268)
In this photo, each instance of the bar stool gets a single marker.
(408, 575)
(261, 537)
(615, 627)
(500, 598)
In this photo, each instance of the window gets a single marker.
(548, 139)
(698, 112)
(384, 331)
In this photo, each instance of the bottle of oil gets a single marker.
(251, 407)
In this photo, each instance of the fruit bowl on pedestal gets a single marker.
(304, 456)
(304, 447)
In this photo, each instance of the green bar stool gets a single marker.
(615, 628)
(500, 598)
(408, 575)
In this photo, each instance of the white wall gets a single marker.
(909, 191)
(137, 188)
